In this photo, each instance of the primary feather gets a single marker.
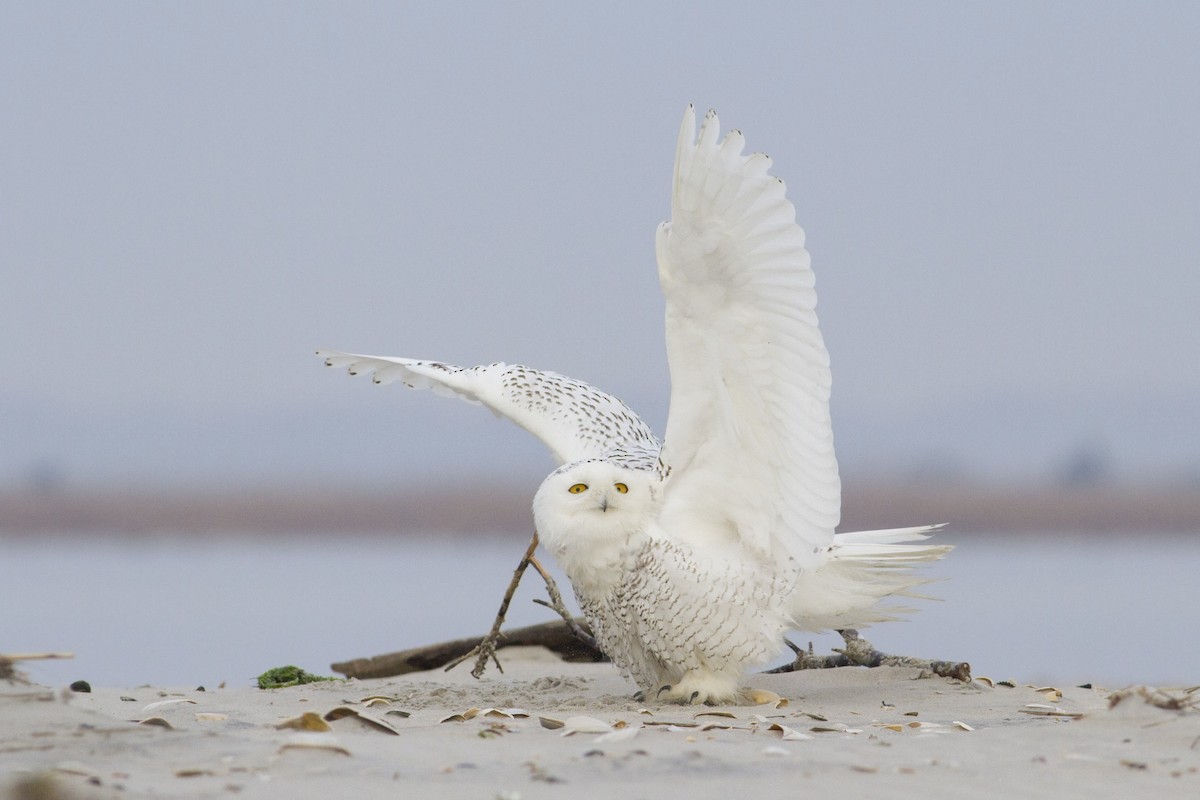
(691, 560)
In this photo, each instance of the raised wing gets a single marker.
(575, 420)
(749, 443)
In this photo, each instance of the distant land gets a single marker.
(491, 510)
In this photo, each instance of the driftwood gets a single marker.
(559, 638)
(858, 652)
(553, 635)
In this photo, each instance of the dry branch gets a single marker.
(858, 652)
(555, 636)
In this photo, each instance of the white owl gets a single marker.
(692, 559)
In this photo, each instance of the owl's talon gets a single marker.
(639, 696)
(662, 689)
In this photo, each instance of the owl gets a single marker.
(693, 557)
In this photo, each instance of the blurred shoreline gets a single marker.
(497, 509)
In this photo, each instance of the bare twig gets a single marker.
(859, 652)
(8, 670)
(487, 646)
(556, 603)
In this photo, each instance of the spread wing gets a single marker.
(749, 443)
(575, 420)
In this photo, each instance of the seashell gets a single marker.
(208, 716)
(548, 722)
(761, 697)
(308, 721)
(716, 714)
(1043, 710)
(163, 703)
(619, 735)
(74, 768)
(157, 721)
(962, 726)
(573, 725)
(314, 741)
(788, 734)
(371, 722)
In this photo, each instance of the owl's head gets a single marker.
(593, 504)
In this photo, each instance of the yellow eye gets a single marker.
(622, 488)
(577, 488)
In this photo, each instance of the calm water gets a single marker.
(1036, 608)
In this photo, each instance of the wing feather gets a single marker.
(574, 420)
(749, 444)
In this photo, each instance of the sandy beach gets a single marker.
(546, 728)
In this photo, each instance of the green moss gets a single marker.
(279, 677)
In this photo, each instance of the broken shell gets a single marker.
(308, 721)
(373, 723)
(314, 741)
(74, 768)
(962, 726)
(1043, 710)
(760, 697)
(788, 734)
(716, 714)
(574, 725)
(157, 721)
(162, 703)
(619, 735)
(208, 716)
(548, 722)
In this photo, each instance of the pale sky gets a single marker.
(1002, 201)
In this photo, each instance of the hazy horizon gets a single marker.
(1001, 202)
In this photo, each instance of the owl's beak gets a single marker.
(604, 502)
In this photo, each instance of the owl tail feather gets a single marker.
(863, 568)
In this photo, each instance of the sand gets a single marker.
(849, 732)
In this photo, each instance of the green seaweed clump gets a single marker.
(281, 677)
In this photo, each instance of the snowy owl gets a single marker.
(692, 558)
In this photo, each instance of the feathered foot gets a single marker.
(700, 686)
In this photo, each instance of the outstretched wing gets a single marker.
(575, 420)
(749, 443)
